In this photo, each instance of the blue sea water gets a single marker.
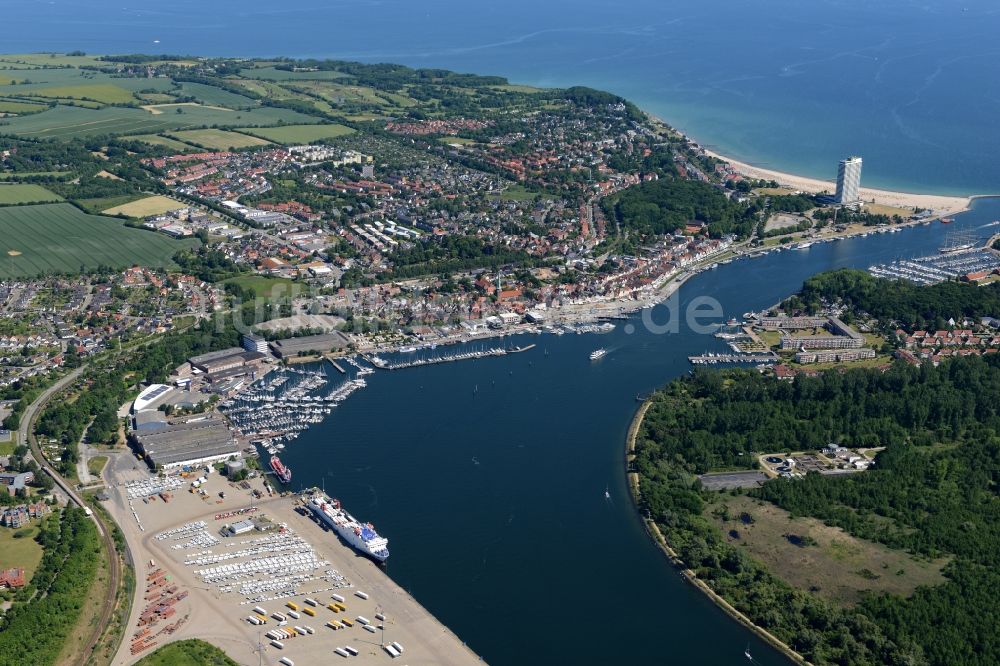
(911, 85)
(489, 476)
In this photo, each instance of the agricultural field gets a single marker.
(7, 106)
(98, 204)
(104, 93)
(273, 74)
(155, 98)
(513, 87)
(18, 175)
(137, 84)
(296, 134)
(213, 96)
(66, 122)
(31, 81)
(22, 193)
(165, 141)
(154, 205)
(214, 139)
(49, 60)
(59, 238)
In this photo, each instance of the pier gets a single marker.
(434, 360)
(713, 359)
(337, 366)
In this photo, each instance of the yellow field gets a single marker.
(880, 209)
(155, 205)
(101, 92)
(215, 139)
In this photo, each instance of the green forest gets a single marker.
(45, 611)
(933, 492)
(667, 205)
(898, 303)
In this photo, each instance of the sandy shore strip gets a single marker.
(940, 204)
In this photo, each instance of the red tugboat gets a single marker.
(283, 473)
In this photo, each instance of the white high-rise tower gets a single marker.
(849, 181)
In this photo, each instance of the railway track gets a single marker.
(26, 434)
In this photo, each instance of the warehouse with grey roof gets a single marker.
(327, 342)
(192, 442)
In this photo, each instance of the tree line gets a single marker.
(932, 492)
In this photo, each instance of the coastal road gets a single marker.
(26, 434)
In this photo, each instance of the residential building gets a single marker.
(849, 182)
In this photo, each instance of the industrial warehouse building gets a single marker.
(226, 359)
(192, 442)
(327, 342)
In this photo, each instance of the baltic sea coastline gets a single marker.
(941, 204)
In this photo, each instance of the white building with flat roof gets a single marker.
(849, 182)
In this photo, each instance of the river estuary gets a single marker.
(488, 477)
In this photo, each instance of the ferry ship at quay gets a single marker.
(361, 536)
(283, 473)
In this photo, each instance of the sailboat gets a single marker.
(607, 495)
(746, 653)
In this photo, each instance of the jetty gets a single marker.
(447, 358)
(713, 358)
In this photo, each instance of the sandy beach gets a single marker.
(940, 204)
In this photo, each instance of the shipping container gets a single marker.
(369, 628)
(380, 617)
(354, 653)
(347, 622)
(278, 616)
(292, 614)
(363, 620)
(361, 594)
(309, 630)
(311, 602)
(393, 652)
(259, 611)
(292, 605)
(333, 624)
(333, 607)
(342, 652)
(398, 647)
(337, 597)
(285, 661)
(263, 620)
(253, 619)
(309, 611)
(278, 644)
